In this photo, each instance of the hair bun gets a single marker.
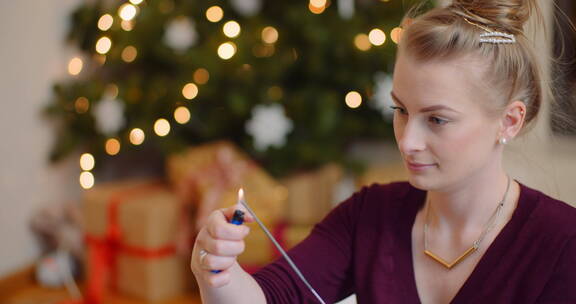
(506, 15)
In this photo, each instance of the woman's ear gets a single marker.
(512, 119)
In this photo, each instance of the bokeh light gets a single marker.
(182, 115)
(353, 99)
(214, 14)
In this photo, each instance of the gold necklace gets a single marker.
(476, 244)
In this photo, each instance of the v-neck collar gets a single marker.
(473, 285)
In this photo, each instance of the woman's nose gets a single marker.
(411, 139)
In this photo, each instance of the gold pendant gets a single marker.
(455, 262)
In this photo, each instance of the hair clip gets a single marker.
(492, 36)
(488, 37)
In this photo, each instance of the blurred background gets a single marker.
(127, 122)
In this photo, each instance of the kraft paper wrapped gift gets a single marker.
(310, 194)
(209, 176)
(131, 229)
(383, 174)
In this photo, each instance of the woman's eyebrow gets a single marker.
(427, 109)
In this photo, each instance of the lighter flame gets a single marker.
(240, 195)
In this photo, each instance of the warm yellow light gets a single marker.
(201, 76)
(127, 11)
(75, 66)
(377, 37)
(162, 127)
(103, 45)
(269, 35)
(129, 53)
(137, 136)
(105, 22)
(318, 3)
(112, 91)
(86, 180)
(362, 42)
(81, 105)
(231, 29)
(112, 146)
(136, 2)
(395, 34)
(190, 91)
(226, 50)
(214, 14)
(353, 99)
(127, 25)
(315, 9)
(182, 115)
(101, 59)
(87, 161)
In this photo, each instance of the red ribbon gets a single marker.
(103, 251)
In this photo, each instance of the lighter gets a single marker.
(237, 218)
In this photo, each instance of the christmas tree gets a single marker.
(291, 82)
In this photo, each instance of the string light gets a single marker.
(137, 136)
(127, 11)
(353, 99)
(127, 25)
(86, 180)
(231, 29)
(87, 161)
(101, 59)
(81, 105)
(226, 50)
(190, 91)
(129, 54)
(317, 6)
(75, 66)
(182, 115)
(112, 146)
(103, 45)
(362, 42)
(377, 37)
(269, 35)
(111, 91)
(395, 34)
(318, 3)
(214, 14)
(162, 127)
(136, 2)
(105, 22)
(201, 76)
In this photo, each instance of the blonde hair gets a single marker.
(453, 31)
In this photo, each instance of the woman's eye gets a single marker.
(438, 121)
(398, 108)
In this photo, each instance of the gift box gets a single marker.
(260, 250)
(383, 173)
(209, 176)
(311, 194)
(131, 229)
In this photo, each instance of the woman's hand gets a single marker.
(217, 245)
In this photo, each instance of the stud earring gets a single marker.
(503, 140)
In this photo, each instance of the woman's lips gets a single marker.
(418, 167)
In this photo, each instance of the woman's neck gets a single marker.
(468, 206)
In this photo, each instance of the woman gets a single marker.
(460, 230)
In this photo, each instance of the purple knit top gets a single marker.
(363, 247)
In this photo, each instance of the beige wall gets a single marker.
(32, 55)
